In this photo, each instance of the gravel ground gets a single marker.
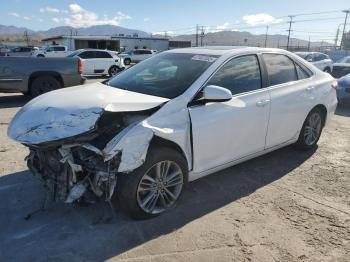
(284, 206)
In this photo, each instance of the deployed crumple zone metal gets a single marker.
(78, 153)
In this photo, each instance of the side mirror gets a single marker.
(212, 93)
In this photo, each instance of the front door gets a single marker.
(227, 131)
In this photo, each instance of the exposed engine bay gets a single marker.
(74, 171)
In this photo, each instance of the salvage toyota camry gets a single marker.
(173, 118)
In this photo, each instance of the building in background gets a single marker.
(118, 43)
(179, 44)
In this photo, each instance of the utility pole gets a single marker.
(267, 30)
(343, 35)
(197, 29)
(290, 28)
(202, 35)
(308, 45)
(26, 37)
(336, 38)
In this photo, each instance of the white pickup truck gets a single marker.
(51, 51)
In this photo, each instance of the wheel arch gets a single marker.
(37, 74)
(157, 141)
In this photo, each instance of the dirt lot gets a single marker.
(285, 206)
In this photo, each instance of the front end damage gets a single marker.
(82, 138)
(77, 168)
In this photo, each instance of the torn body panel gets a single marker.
(78, 151)
(133, 145)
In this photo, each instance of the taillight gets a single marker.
(334, 84)
(80, 66)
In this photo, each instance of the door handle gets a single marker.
(262, 102)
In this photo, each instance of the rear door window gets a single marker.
(239, 75)
(87, 55)
(280, 69)
(59, 48)
(101, 54)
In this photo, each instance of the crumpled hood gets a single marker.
(72, 111)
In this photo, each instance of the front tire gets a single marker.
(311, 130)
(113, 70)
(127, 61)
(155, 187)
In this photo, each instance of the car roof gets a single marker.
(92, 49)
(223, 50)
(309, 53)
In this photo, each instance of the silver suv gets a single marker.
(136, 56)
(320, 60)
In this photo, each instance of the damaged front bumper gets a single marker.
(75, 172)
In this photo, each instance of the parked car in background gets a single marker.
(21, 51)
(343, 90)
(136, 55)
(341, 67)
(37, 76)
(173, 118)
(51, 51)
(320, 60)
(99, 62)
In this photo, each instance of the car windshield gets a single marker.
(344, 60)
(73, 54)
(166, 75)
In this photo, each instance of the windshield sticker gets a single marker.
(204, 58)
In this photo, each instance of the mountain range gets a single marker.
(13, 33)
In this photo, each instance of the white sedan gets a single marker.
(173, 118)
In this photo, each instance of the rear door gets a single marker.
(291, 97)
(227, 131)
(102, 62)
(137, 56)
(59, 51)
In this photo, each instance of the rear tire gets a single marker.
(133, 195)
(127, 61)
(311, 130)
(113, 70)
(44, 84)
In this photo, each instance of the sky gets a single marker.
(181, 16)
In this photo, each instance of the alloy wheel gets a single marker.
(160, 187)
(312, 129)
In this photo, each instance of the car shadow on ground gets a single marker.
(13, 100)
(343, 110)
(72, 233)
